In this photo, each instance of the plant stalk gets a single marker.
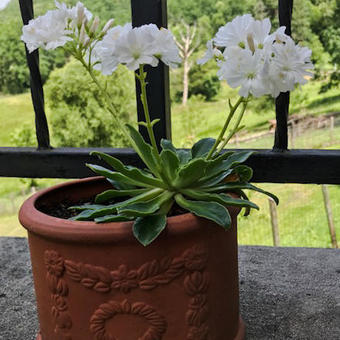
(224, 129)
(234, 130)
(144, 99)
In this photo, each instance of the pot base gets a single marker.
(240, 334)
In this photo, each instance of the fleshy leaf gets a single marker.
(243, 172)
(170, 163)
(240, 185)
(190, 173)
(145, 150)
(167, 145)
(184, 156)
(112, 218)
(147, 207)
(119, 185)
(116, 176)
(208, 181)
(202, 147)
(211, 210)
(110, 194)
(220, 198)
(146, 229)
(129, 171)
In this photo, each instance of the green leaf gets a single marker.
(119, 185)
(83, 216)
(209, 181)
(112, 218)
(146, 229)
(244, 173)
(191, 172)
(116, 176)
(87, 207)
(211, 210)
(170, 163)
(112, 208)
(224, 199)
(184, 156)
(110, 194)
(237, 158)
(202, 147)
(145, 150)
(167, 145)
(147, 207)
(239, 185)
(129, 171)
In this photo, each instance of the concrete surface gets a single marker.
(286, 293)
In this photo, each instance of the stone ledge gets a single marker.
(285, 293)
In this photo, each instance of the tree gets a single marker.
(187, 43)
(325, 22)
(78, 113)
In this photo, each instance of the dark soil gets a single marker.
(62, 209)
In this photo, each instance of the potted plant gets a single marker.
(151, 253)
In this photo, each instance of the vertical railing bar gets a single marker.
(146, 12)
(37, 93)
(282, 101)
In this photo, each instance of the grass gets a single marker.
(301, 217)
(15, 111)
(203, 119)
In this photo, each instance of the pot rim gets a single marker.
(51, 227)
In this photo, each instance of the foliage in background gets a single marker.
(325, 22)
(204, 82)
(76, 117)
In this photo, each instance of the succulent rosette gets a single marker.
(204, 179)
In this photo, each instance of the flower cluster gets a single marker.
(107, 48)
(136, 46)
(258, 62)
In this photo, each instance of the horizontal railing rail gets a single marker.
(295, 166)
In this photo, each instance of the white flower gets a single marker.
(244, 68)
(105, 52)
(234, 33)
(136, 48)
(211, 52)
(76, 14)
(290, 65)
(278, 36)
(48, 31)
(163, 45)
(259, 31)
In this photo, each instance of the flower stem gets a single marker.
(224, 129)
(144, 99)
(234, 130)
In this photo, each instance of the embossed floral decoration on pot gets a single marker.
(92, 277)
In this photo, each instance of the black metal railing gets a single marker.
(278, 165)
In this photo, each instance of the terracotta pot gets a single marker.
(95, 281)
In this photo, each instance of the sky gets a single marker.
(3, 4)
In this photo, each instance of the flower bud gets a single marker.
(82, 34)
(80, 14)
(107, 26)
(87, 42)
(94, 25)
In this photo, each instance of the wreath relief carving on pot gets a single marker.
(54, 264)
(192, 264)
(109, 310)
